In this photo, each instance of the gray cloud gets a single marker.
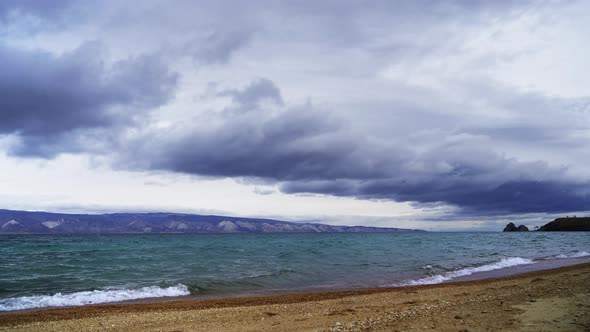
(30, 17)
(48, 101)
(470, 177)
(295, 142)
(33, 7)
(309, 150)
(263, 191)
(217, 47)
(406, 112)
(254, 94)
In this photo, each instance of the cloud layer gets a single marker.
(406, 101)
(309, 150)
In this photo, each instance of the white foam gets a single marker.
(440, 278)
(90, 297)
(576, 254)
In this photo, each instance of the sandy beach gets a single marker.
(550, 300)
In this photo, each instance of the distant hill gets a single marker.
(567, 225)
(15, 222)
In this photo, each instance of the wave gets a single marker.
(440, 278)
(90, 297)
(576, 254)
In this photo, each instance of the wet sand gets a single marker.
(550, 300)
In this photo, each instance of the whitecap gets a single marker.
(440, 278)
(90, 297)
(576, 254)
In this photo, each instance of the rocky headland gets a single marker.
(567, 224)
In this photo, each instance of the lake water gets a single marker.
(62, 270)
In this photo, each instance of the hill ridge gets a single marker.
(42, 222)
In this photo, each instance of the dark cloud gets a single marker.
(309, 150)
(47, 100)
(467, 175)
(296, 142)
(473, 198)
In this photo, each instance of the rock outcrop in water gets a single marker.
(568, 224)
(24, 222)
(511, 227)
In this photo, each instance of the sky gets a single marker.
(439, 115)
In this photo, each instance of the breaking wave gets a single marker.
(576, 254)
(440, 278)
(90, 297)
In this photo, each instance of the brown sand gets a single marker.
(552, 300)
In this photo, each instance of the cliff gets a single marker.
(17, 222)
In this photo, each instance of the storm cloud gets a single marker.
(470, 104)
(49, 102)
(310, 150)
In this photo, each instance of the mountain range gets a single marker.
(26, 222)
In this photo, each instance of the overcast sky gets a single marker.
(441, 115)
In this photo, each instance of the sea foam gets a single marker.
(90, 297)
(440, 278)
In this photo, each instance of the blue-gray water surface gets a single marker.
(53, 270)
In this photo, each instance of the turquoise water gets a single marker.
(54, 270)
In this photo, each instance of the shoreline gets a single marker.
(45, 318)
(495, 273)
